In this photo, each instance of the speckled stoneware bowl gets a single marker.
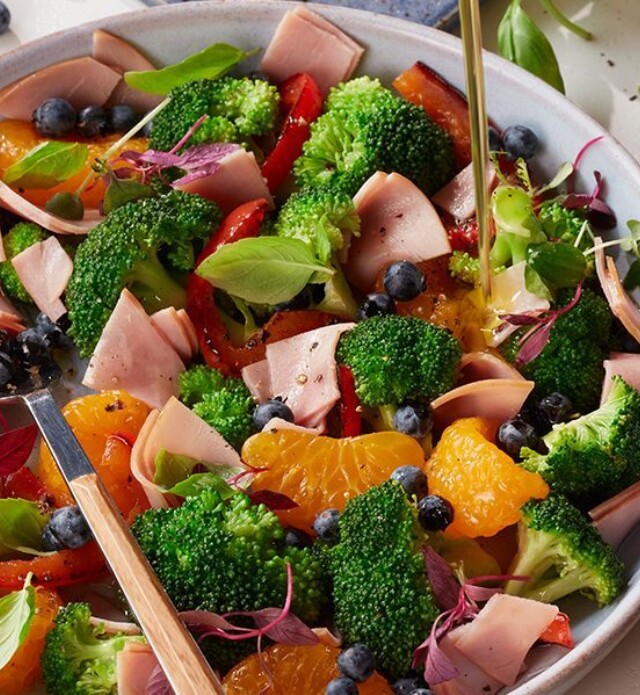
(170, 33)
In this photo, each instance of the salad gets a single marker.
(351, 469)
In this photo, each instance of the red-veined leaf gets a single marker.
(16, 447)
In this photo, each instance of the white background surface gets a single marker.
(601, 76)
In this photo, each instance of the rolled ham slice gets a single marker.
(618, 516)
(398, 222)
(81, 81)
(621, 304)
(502, 634)
(622, 364)
(134, 665)
(143, 467)
(496, 399)
(478, 366)
(132, 355)
(238, 180)
(44, 269)
(189, 329)
(458, 197)
(172, 328)
(122, 56)
(306, 42)
(3, 255)
(14, 202)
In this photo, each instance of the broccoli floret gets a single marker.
(597, 455)
(561, 553)
(20, 237)
(79, 657)
(368, 129)
(137, 246)
(569, 226)
(224, 403)
(395, 358)
(228, 556)
(381, 594)
(572, 361)
(236, 110)
(465, 267)
(321, 217)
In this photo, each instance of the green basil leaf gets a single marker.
(16, 614)
(264, 270)
(632, 278)
(47, 165)
(631, 243)
(535, 284)
(121, 191)
(195, 484)
(21, 524)
(172, 469)
(523, 43)
(210, 63)
(559, 265)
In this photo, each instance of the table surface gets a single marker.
(601, 76)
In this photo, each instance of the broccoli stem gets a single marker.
(536, 560)
(154, 286)
(555, 589)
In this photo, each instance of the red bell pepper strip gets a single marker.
(558, 632)
(350, 408)
(443, 102)
(215, 342)
(64, 568)
(25, 484)
(302, 99)
(464, 236)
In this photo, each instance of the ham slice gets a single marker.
(172, 328)
(277, 424)
(503, 633)
(618, 516)
(398, 222)
(497, 399)
(238, 180)
(14, 202)
(622, 364)
(44, 269)
(179, 430)
(82, 81)
(458, 197)
(134, 665)
(303, 372)
(256, 377)
(478, 366)
(131, 355)
(122, 56)
(306, 42)
(3, 255)
(621, 304)
(189, 329)
(471, 679)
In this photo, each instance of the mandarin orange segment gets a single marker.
(106, 426)
(18, 137)
(321, 472)
(24, 668)
(294, 670)
(484, 485)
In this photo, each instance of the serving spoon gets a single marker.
(180, 657)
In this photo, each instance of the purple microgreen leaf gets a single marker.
(275, 501)
(438, 668)
(206, 620)
(291, 630)
(520, 319)
(477, 593)
(575, 201)
(158, 684)
(576, 163)
(443, 584)
(535, 343)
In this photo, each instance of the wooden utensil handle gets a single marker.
(175, 648)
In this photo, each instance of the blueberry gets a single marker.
(327, 524)
(376, 304)
(34, 348)
(52, 333)
(67, 528)
(146, 131)
(414, 420)
(301, 301)
(54, 118)
(412, 479)
(49, 372)
(556, 408)
(341, 686)
(495, 140)
(6, 374)
(407, 686)
(627, 342)
(422, 691)
(5, 18)
(434, 513)
(356, 662)
(520, 141)
(296, 538)
(404, 281)
(275, 407)
(515, 434)
(122, 118)
(92, 122)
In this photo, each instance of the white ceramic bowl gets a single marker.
(167, 34)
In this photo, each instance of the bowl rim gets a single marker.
(623, 616)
